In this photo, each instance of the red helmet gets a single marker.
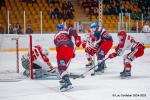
(122, 34)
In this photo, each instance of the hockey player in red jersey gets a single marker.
(40, 61)
(127, 42)
(65, 52)
(89, 40)
(103, 43)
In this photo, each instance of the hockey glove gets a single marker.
(119, 50)
(73, 55)
(91, 50)
(112, 55)
(78, 41)
(84, 44)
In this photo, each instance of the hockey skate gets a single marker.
(100, 68)
(122, 71)
(61, 82)
(125, 74)
(89, 65)
(65, 84)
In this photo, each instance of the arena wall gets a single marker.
(7, 42)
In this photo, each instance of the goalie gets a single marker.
(41, 62)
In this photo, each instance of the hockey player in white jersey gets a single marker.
(89, 40)
(127, 42)
(41, 62)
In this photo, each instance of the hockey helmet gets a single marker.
(60, 27)
(94, 26)
(121, 34)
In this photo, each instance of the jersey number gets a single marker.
(61, 37)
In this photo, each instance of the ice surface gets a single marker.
(107, 86)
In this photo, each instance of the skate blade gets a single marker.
(89, 66)
(97, 73)
(124, 77)
(61, 84)
(66, 89)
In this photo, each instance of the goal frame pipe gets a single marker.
(17, 54)
(31, 57)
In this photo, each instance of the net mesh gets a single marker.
(9, 62)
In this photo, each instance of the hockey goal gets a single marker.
(11, 49)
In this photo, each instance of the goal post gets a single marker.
(31, 57)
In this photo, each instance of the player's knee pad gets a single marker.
(62, 66)
(61, 62)
(100, 55)
(127, 62)
(127, 65)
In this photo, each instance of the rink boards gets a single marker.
(8, 44)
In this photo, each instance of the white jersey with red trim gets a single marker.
(39, 56)
(89, 37)
(127, 43)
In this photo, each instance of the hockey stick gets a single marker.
(85, 73)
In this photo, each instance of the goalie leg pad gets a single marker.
(25, 63)
(37, 71)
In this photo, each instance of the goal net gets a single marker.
(12, 47)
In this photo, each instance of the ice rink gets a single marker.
(107, 86)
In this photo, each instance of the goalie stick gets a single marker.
(85, 73)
